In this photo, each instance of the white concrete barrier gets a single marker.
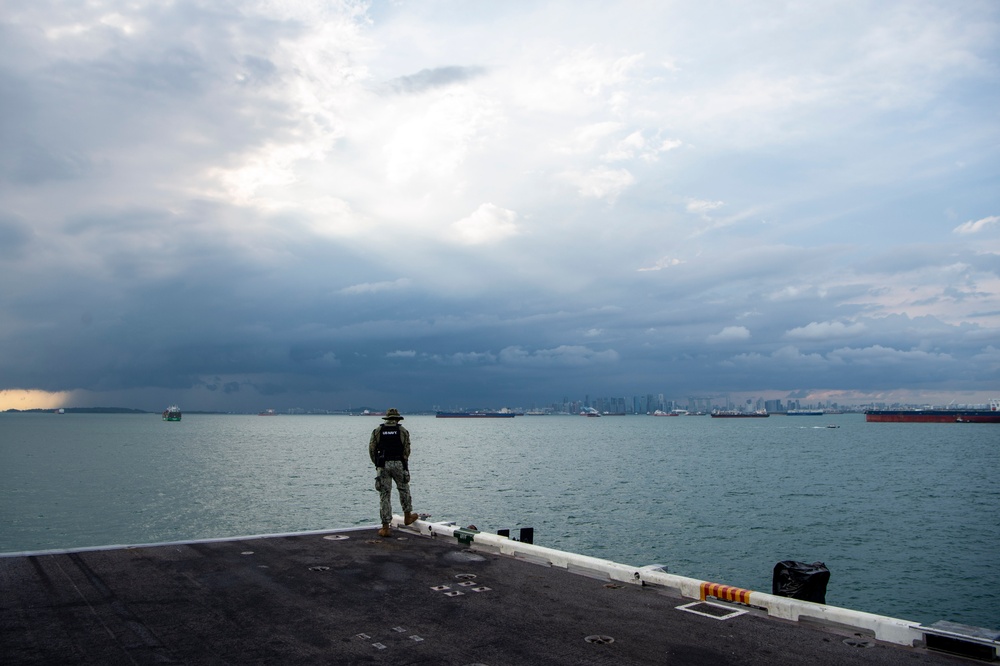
(890, 630)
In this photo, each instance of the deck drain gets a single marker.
(465, 576)
(319, 568)
(336, 537)
(599, 639)
(858, 643)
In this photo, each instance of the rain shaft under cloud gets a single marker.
(319, 204)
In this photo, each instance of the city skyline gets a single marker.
(630, 403)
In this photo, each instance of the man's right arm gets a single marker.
(372, 444)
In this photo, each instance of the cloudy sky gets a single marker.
(322, 204)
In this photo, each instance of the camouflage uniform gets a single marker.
(391, 470)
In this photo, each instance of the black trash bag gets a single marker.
(799, 580)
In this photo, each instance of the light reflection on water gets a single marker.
(904, 515)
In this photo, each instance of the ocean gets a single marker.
(906, 516)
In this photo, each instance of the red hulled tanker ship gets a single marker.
(946, 415)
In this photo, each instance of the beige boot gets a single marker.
(410, 518)
(385, 531)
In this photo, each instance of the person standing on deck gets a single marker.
(389, 449)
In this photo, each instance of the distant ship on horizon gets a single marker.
(737, 414)
(991, 414)
(476, 415)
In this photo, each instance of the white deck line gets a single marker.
(91, 549)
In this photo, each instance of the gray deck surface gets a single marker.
(354, 598)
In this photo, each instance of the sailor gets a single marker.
(389, 449)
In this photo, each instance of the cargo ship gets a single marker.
(736, 414)
(805, 412)
(476, 415)
(991, 414)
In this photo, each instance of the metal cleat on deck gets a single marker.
(525, 534)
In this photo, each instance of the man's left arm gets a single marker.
(372, 443)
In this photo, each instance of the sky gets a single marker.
(441, 204)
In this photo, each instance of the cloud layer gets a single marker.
(321, 204)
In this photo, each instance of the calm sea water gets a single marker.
(906, 516)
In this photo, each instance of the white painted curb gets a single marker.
(888, 629)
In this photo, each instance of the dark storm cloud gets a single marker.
(15, 235)
(214, 205)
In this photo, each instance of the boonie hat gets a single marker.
(392, 413)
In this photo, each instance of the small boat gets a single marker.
(267, 412)
(172, 413)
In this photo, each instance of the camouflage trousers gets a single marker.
(393, 471)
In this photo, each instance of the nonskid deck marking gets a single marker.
(699, 608)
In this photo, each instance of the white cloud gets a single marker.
(661, 263)
(595, 73)
(486, 224)
(670, 144)
(974, 227)
(825, 330)
(468, 358)
(636, 146)
(879, 355)
(730, 334)
(564, 355)
(702, 207)
(588, 138)
(627, 148)
(600, 182)
(375, 287)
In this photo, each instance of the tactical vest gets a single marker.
(390, 443)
